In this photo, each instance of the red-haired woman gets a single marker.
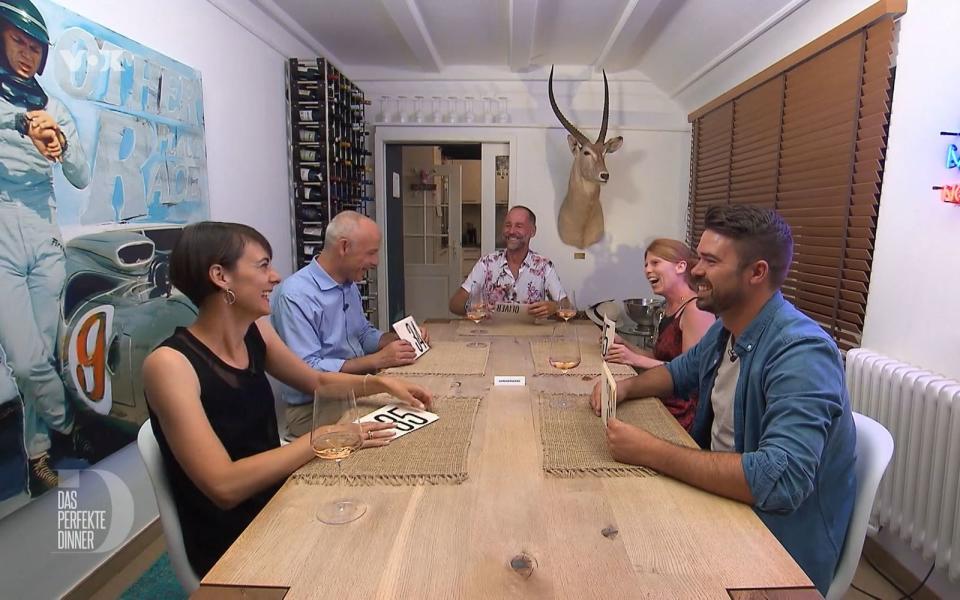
(667, 266)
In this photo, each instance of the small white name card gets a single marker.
(506, 311)
(403, 418)
(509, 380)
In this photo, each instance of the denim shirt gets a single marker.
(792, 425)
(322, 321)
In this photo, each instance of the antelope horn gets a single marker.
(606, 109)
(563, 121)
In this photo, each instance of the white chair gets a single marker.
(874, 449)
(150, 453)
(280, 408)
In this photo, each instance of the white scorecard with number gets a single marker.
(408, 331)
(608, 394)
(403, 418)
(609, 334)
(507, 311)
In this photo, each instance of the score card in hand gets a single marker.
(609, 335)
(408, 331)
(608, 394)
(403, 418)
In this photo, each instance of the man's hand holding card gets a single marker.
(408, 331)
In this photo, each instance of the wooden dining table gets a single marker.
(510, 530)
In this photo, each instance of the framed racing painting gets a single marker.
(102, 162)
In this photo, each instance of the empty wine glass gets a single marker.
(468, 115)
(418, 109)
(477, 309)
(436, 104)
(488, 107)
(504, 116)
(451, 116)
(383, 116)
(402, 114)
(568, 307)
(564, 354)
(336, 442)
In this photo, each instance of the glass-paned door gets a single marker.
(432, 256)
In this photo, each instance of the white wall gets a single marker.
(802, 26)
(910, 308)
(911, 311)
(647, 193)
(245, 115)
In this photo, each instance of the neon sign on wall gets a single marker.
(950, 192)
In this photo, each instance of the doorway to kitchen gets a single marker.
(444, 208)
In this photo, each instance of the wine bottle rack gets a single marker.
(329, 170)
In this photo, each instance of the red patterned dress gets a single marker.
(669, 346)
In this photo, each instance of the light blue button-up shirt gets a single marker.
(322, 321)
(792, 425)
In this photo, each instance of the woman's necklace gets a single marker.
(677, 306)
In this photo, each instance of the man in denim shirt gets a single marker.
(777, 417)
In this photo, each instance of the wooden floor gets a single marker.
(870, 581)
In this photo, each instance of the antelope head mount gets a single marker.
(580, 222)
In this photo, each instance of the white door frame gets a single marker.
(419, 134)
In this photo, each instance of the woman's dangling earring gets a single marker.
(229, 296)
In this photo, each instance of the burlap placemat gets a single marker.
(575, 444)
(507, 328)
(448, 358)
(589, 360)
(435, 454)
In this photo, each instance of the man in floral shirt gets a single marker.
(516, 275)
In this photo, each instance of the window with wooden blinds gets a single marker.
(809, 141)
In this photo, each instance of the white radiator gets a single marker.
(918, 496)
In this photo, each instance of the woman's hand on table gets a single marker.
(376, 434)
(619, 353)
(622, 354)
(407, 393)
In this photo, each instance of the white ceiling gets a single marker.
(670, 41)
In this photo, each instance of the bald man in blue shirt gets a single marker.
(319, 314)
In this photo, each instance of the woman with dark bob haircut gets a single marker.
(210, 403)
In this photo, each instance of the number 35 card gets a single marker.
(403, 418)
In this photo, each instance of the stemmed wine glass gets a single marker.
(384, 115)
(418, 109)
(568, 307)
(337, 442)
(564, 355)
(477, 310)
(468, 114)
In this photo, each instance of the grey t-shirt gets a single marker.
(724, 386)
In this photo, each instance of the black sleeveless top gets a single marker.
(239, 405)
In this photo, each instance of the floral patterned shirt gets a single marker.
(537, 280)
